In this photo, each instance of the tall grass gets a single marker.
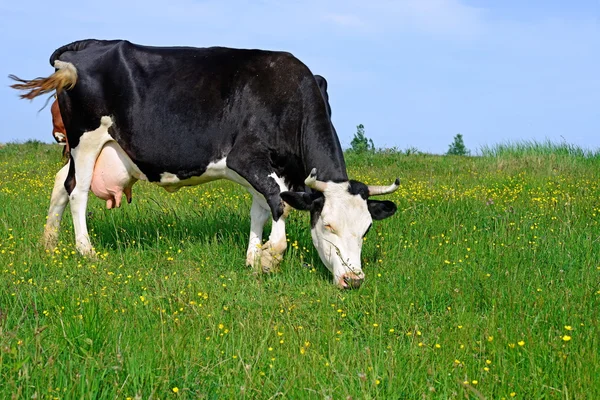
(538, 148)
(485, 284)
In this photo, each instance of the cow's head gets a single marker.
(341, 215)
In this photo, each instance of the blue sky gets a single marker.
(414, 72)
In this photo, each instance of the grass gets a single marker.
(485, 284)
(538, 148)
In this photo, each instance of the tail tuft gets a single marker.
(65, 77)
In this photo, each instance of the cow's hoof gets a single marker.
(269, 262)
(92, 255)
(50, 240)
(252, 259)
(87, 252)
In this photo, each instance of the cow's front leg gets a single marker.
(259, 214)
(79, 181)
(265, 187)
(272, 251)
(58, 203)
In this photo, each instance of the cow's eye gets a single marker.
(329, 228)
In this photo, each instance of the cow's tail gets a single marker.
(64, 77)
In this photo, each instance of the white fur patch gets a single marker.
(60, 138)
(280, 182)
(65, 65)
(215, 170)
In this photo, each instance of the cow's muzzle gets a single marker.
(351, 280)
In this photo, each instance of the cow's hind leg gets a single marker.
(84, 156)
(58, 203)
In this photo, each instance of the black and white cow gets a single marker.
(182, 116)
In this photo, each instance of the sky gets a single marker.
(414, 72)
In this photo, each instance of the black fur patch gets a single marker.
(356, 187)
(381, 209)
(70, 182)
(315, 212)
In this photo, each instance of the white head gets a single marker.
(341, 215)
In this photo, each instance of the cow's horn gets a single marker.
(377, 190)
(313, 183)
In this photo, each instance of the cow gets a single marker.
(58, 129)
(182, 116)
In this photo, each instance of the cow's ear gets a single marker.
(381, 209)
(299, 200)
(322, 82)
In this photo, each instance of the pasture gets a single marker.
(485, 284)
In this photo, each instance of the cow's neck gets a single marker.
(325, 154)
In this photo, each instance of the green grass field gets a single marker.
(485, 284)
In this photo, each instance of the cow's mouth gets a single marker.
(350, 280)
